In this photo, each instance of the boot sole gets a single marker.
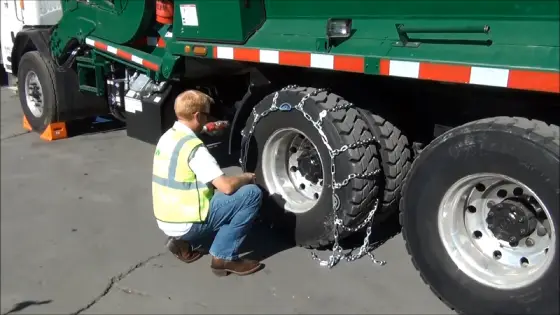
(225, 272)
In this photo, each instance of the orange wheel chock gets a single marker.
(53, 131)
(26, 125)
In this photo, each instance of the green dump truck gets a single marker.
(446, 112)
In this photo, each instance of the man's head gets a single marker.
(192, 108)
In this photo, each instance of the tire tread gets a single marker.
(352, 127)
(537, 131)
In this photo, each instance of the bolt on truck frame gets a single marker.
(444, 111)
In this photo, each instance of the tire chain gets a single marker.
(337, 251)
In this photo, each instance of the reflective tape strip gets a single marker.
(175, 156)
(174, 161)
(122, 54)
(517, 79)
(508, 78)
(177, 185)
(292, 58)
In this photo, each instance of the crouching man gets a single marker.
(192, 198)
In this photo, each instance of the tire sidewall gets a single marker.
(32, 61)
(458, 154)
(316, 223)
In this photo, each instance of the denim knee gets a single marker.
(252, 193)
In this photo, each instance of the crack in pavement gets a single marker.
(113, 281)
(15, 135)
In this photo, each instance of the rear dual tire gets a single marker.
(311, 225)
(314, 227)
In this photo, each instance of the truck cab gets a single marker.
(17, 15)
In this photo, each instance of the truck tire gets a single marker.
(396, 158)
(507, 170)
(37, 92)
(309, 220)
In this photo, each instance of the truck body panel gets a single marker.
(519, 50)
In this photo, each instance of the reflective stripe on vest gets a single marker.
(178, 197)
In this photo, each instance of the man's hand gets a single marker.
(251, 177)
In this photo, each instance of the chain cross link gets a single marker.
(337, 251)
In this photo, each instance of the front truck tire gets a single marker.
(38, 94)
(48, 95)
(300, 207)
(480, 202)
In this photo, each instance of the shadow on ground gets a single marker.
(264, 242)
(381, 232)
(25, 304)
(95, 125)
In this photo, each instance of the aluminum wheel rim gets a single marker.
(34, 94)
(286, 185)
(474, 248)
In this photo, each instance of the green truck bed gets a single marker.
(520, 50)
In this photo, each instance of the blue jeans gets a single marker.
(230, 215)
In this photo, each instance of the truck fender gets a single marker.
(29, 40)
(259, 87)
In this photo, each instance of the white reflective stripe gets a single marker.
(489, 76)
(406, 69)
(137, 59)
(112, 49)
(90, 42)
(225, 52)
(269, 56)
(322, 61)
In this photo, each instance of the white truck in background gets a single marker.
(17, 15)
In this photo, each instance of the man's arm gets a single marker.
(207, 170)
(230, 184)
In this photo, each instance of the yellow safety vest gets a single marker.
(177, 195)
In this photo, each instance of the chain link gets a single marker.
(337, 251)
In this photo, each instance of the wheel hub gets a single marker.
(497, 230)
(292, 170)
(309, 165)
(511, 221)
(34, 94)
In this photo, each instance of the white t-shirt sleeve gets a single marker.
(205, 166)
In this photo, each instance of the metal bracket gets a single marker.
(323, 45)
(404, 40)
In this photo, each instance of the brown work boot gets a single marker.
(183, 250)
(240, 267)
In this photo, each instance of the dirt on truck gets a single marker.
(443, 112)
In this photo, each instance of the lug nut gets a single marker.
(490, 214)
(512, 239)
(529, 242)
(523, 231)
(521, 220)
(541, 231)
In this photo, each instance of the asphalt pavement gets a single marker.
(78, 236)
